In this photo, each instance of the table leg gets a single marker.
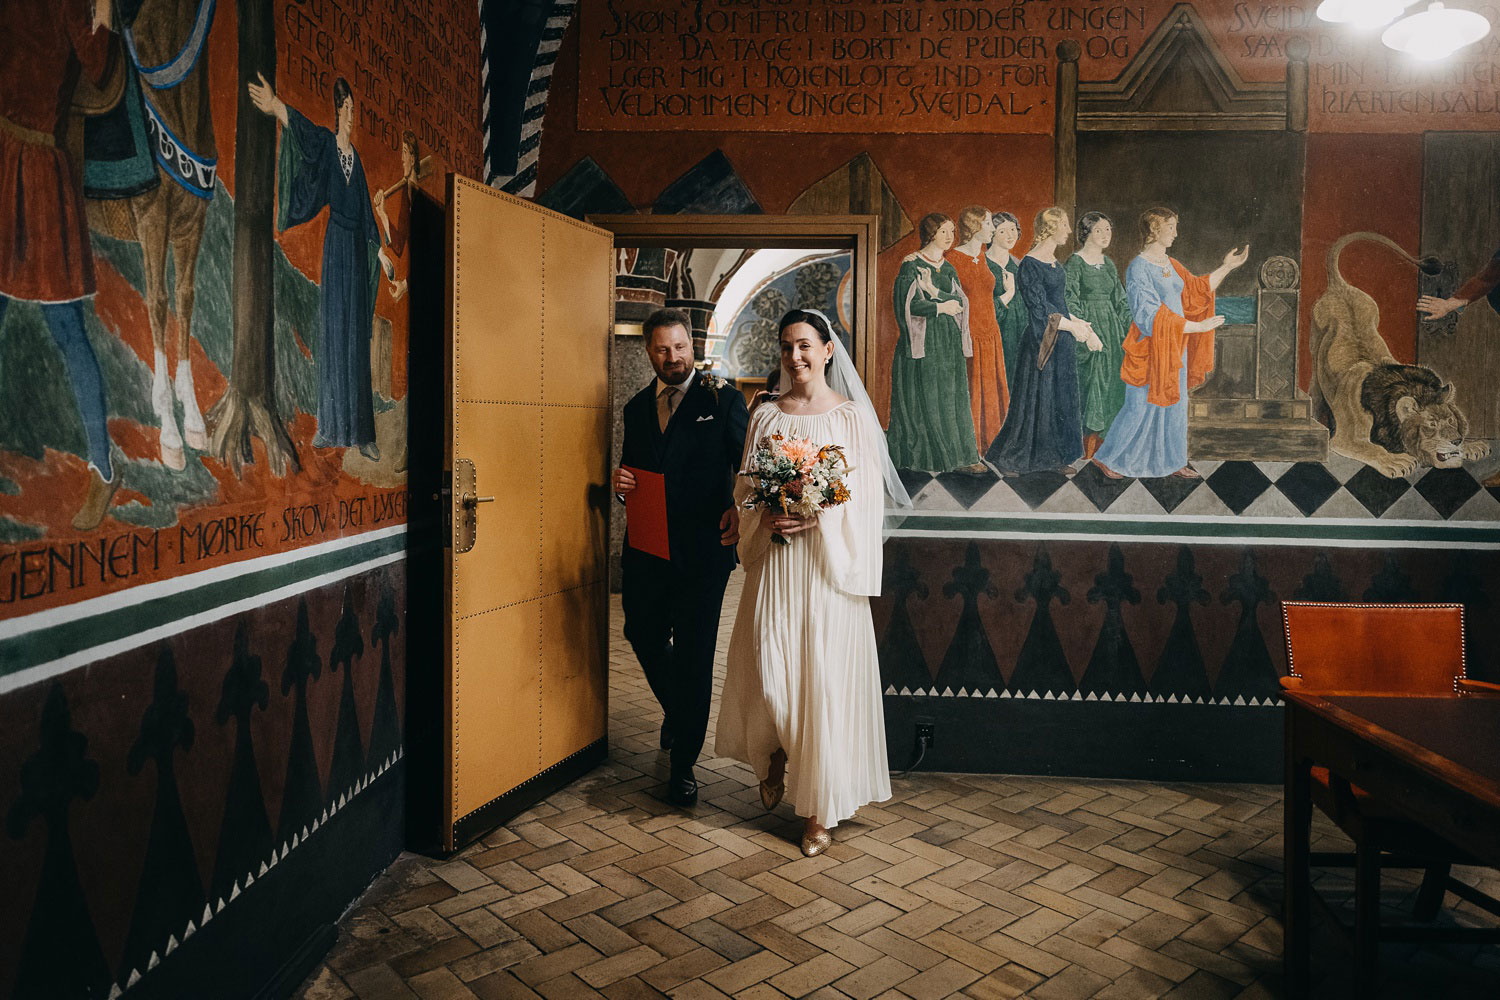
(1366, 916)
(1297, 819)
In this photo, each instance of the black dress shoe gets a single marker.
(682, 790)
(667, 739)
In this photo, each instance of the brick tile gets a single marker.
(869, 980)
(617, 967)
(942, 980)
(802, 979)
(745, 973)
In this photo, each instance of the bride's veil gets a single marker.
(844, 379)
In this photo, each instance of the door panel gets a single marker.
(576, 364)
(501, 441)
(575, 532)
(573, 696)
(530, 299)
(496, 722)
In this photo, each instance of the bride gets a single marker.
(802, 702)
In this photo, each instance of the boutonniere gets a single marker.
(712, 383)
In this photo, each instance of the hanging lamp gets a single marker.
(1436, 32)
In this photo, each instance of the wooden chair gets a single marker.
(1384, 649)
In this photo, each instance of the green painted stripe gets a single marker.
(48, 644)
(1311, 533)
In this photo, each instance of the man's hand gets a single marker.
(623, 481)
(729, 527)
(1436, 308)
(790, 524)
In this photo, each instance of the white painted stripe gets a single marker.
(550, 45)
(162, 588)
(531, 128)
(538, 98)
(1284, 541)
(47, 671)
(1219, 519)
(542, 72)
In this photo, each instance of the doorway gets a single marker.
(735, 276)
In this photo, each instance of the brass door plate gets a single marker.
(465, 515)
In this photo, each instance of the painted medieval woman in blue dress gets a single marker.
(317, 168)
(1170, 349)
(1041, 432)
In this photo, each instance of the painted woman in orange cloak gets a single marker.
(1169, 350)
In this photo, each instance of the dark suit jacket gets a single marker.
(699, 455)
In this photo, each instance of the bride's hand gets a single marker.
(790, 524)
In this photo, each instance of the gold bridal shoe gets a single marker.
(817, 843)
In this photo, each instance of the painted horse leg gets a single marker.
(188, 217)
(150, 211)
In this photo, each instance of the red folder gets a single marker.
(646, 513)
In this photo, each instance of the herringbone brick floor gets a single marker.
(975, 885)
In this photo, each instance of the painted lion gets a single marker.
(1395, 418)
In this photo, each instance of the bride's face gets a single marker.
(803, 353)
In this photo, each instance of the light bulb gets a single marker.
(1436, 32)
(1365, 14)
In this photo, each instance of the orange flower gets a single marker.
(800, 451)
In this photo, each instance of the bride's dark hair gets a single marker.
(813, 320)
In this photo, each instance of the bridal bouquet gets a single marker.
(796, 476)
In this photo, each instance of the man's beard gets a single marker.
(674, 375)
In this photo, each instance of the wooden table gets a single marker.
(1437, 760)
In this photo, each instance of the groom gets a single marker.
(690, 427)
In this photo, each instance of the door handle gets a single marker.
(466, 501)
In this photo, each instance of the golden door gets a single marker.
(530, 304)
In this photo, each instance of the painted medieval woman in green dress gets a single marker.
(1095, 294)
(1010, 311)
(932, 425)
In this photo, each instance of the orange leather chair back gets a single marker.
(1413, 649)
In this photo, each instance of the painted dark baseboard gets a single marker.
(1145, 742)
(265, 941)
(529, 793)
(301, 964)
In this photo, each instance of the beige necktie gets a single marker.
(666, 404)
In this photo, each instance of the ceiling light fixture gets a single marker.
(1436, 32)
(1365, 14)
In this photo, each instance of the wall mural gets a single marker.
(203, 384)
(203, 312)
(1270, 372)
(750, 346)
(1248, 351)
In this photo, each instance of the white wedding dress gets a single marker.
(802, 669)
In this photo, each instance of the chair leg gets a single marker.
(1430, 896)
(1366, 918)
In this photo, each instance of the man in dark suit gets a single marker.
(690, 427)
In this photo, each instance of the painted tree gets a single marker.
(303, 795)
(902, 664)
(171, 891)
(245, 841)
(1247, 669)
(1180, 670)
(248, 409)
(1042, 665)
(1113, 668)
(60, 955)
(1321, 584)
(969, 664)
(385, 732)
(348, 752)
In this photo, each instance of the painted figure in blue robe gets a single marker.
(320, 168)
(1169, 350)
(1042, 432)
